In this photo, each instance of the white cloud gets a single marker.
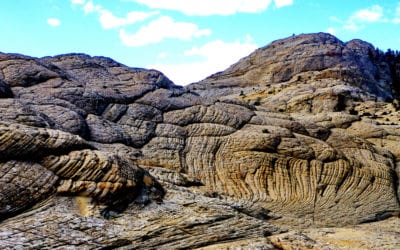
(396, 19)
(161, 29)
(353, 26)
(89, 7)
(216, 56)
(109, 21)
(54, 22)
(359, 18)
(77, 1)
(213, 7)
(162, 55)
(154, 32)
(331, 31)
(372, 14)
(282, 3)
(335, 19)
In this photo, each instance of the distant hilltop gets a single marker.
(310, 57)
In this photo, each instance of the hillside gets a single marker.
(296, 145)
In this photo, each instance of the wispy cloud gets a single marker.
(77, 1)
(89, 7)
(331, 30)
(162, 55)
(359, 18)
(214, 56)
(213, 7)
(153, 32)
(163, 28)
(396, 19)
(109, 21)
(282, 3)
(54, 22)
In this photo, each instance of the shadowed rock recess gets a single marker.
(296, 141)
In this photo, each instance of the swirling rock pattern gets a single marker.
(43, 161)
(23, 184)
(189, 166)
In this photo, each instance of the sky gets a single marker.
(187, 40)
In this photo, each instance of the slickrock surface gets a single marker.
(369, 236)
(301, 135)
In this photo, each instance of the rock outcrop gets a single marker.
(303, 133)
(305, 73)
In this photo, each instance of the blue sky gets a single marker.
(186, 39)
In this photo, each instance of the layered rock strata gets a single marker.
(302, 133)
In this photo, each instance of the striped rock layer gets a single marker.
(284, 149)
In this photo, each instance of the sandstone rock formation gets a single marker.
(303, 133)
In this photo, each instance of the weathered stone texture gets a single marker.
(287, 137)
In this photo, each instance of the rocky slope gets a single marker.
(297, 73)
(302, 134)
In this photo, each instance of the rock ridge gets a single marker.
(311, 58)
(301, 134)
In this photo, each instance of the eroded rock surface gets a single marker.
(303, 133)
